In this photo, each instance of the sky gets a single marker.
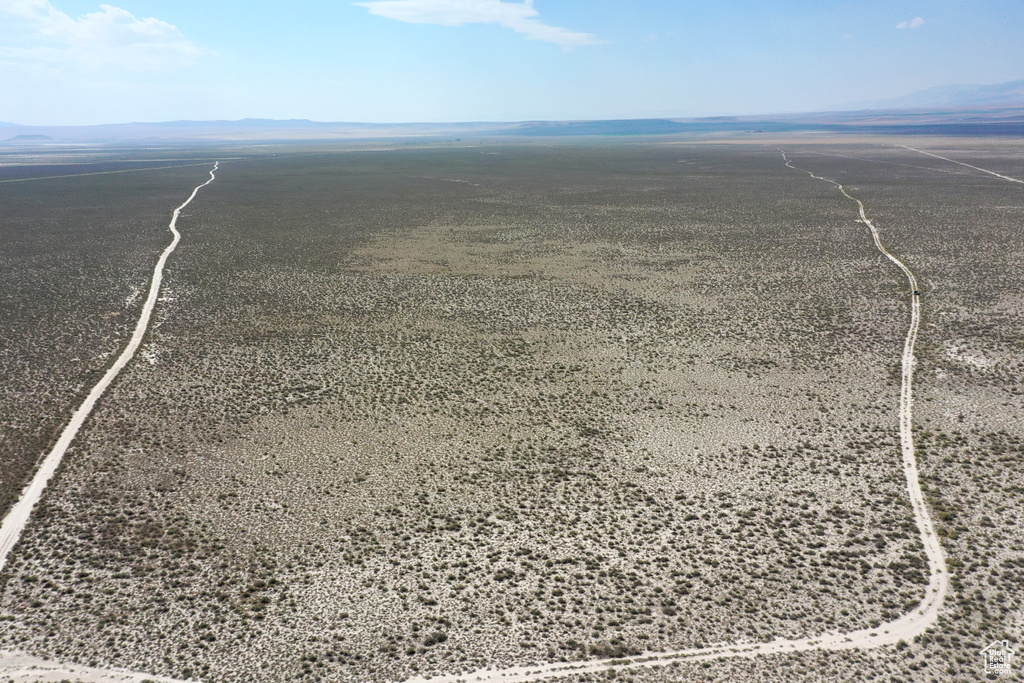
(77, 62)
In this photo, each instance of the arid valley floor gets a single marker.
(416, 410)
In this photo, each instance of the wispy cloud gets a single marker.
(911, 23)
(521, 17)
(36, 32)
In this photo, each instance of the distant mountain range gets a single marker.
(949, 110)
(28, 137)
(1009, 94)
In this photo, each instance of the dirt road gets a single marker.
(905, 628)
(976, 168)
(15, 521)
(22, 668)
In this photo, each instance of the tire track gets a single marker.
(906, 627)
(16, 520)
(123, 170)
(976, 168)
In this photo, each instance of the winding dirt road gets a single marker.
(19, 515)
(903, 628)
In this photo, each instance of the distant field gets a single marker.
(433, 409)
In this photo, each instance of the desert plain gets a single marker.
(415, 410)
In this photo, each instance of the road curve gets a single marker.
(903, 628)
(15, 521)
(906, 627)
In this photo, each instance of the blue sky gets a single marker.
(79, 62)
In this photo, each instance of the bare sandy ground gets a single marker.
(19, 667)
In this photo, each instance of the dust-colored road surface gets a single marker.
(19, 515)
(904, 628)
(23, 668)
(976, 168)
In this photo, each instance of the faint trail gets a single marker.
(19, 515)
(887, 163)
(905, 628)
(23, 668)
(976, 168)
(123, 170)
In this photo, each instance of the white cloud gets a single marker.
(521, 17)
(912, 23)
(35, 32)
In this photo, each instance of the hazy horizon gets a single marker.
(74, 62)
